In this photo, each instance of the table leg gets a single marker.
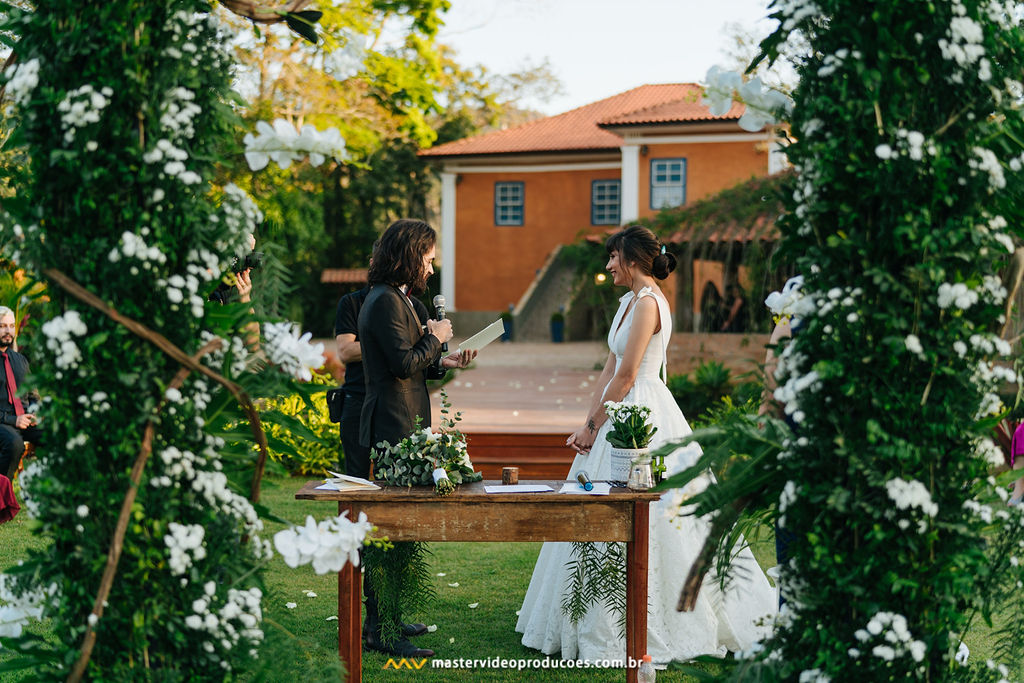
(350, 616)
(636, 590)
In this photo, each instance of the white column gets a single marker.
(448, 239)
(630, 209)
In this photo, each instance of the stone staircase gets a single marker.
(538, 456)
(550, 291)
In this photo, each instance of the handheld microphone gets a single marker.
(439, 315)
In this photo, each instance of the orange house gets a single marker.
(509, 197)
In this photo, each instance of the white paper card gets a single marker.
(483, 337)
(518, 488)
(601, 488)
(343, 482)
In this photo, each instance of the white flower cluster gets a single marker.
(1003, 670)
(22, 79)
(213, 487)
(790, 302)
(185, 28)
(957, 294)
(204, 264)
(33, 470)
(292, 352)
(183, 289)
(786, 498)
(238, 619)
(987, 450)
(18, 608)
(134, 247)
(241, 217)
(80, 107)
(764, 106)
(184, 544)
(896, 639)
(328, 545)
(620, 412)
(173, 159)
(237, 348)
(98, 402)
(964, 46)
(831, 63)
(909, 143)
(911, 494)
(985, 160)
(794, 12)
(283, 144)
(913, 344)
(994, 228)
(989, 377)
(962, 652)
(179, 112)
(840, 298)
(814, 676)
(794, 382)
(59, 333)
(346, 61)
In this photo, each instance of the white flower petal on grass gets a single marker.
(453, 585)
(473, 605)
(332, 618)
(451, 640)
(442, 574)
(290, 605)
(431, 628)
(309, 593)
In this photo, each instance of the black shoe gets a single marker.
(408, 630)
(400, 648)
(413, 630)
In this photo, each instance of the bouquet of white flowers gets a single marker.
(426, 457)
(630, 428)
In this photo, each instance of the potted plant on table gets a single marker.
(630, 436)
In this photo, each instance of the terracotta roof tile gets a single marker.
(343, 275)
(579, 129)
(689, 109)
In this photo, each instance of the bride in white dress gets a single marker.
(633, 374)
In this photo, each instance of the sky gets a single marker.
(598, 48)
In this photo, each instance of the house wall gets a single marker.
(710, 168)
(494, 265)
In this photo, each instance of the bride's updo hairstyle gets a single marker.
(636, 244)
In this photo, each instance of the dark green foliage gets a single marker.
(711, 382)
(401, 577)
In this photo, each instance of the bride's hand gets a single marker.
(582, 440)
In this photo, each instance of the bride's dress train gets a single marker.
(720, 621)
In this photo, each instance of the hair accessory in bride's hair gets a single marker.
(663, 249)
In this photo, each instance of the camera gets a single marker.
(253, 260)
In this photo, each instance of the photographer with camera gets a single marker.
(240, 269)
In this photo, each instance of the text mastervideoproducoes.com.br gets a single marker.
(513, 664)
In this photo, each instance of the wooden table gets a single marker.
(471, 514)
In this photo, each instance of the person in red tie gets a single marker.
(16, 425)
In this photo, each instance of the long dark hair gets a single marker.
(398, 257)
(636, 244)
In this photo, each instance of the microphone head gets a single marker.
(439, 301)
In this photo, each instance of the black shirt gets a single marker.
(346, 321)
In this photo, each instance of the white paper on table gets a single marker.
(343, 482)
(518, 488)
(483, 337)
(601, 488)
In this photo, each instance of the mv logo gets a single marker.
(403, 663)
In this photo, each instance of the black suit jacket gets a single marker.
(19, 364)
(398, 357)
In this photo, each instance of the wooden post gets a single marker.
(636, 590)
(350, 615)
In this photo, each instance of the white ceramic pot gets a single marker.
(623, 460)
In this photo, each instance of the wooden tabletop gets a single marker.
(471, 493)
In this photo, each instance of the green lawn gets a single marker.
(302, 641)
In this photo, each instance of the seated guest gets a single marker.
(16, 425)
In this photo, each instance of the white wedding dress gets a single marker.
(720, 621)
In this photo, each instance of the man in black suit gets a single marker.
(401, 349)
(16, 424)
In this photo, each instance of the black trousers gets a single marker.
(357, 464)
(357, 458)
(12, 444)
